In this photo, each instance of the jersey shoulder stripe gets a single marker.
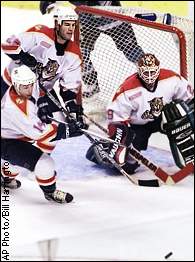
(21, 103)
(49, 32)
(73, 48)
(132, 82)
(166, 73)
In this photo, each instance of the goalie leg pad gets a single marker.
(96, 154)
(123, 134)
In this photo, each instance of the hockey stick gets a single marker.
(164, 176)
(87, 133)
(167, 179)
(149, 183)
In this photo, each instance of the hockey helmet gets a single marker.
(148, 68)
(22, 76)
(62, 13)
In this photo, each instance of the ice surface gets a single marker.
(110, 218)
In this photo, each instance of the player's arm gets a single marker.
(183, 90)
(30, 126)
(70, 91)
(18, 49)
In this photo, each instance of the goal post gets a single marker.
(112, 40)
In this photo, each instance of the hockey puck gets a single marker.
(169, 254)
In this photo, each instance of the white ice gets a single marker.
(110, 218)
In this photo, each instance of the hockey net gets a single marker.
(110, 50)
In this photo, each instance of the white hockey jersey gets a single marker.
(39, 41)
(135, 104)
(19, 120)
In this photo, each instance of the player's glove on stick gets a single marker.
(43, 110)
(70, 129)
(178, 123)
(76, 110)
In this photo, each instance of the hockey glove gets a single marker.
(44, 111)
(77, 110)
(46, 6)
(73, 108)
(70, 129)
(178, 123)
(28, 60)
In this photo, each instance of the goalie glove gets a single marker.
(178, 124)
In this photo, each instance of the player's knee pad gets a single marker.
(45, 170)
(121, 133)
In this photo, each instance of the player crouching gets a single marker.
(151, 100)
(26, 139)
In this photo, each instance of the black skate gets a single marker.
(59, 197)
(11, 183)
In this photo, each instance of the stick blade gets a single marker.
(175, 178)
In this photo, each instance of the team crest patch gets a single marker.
(156, 106)
(49, 71)
(19, 101)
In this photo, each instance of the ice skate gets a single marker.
(59, 197)
(11, 183)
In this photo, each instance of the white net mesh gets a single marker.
(110, 48)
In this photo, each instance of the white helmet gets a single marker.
(65, 13)
(22, 76)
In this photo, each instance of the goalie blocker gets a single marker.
(178, 124)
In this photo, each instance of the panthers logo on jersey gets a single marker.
(156, 106)
(49, 71)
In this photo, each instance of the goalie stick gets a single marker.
(160, 173)
(167, 179)
(149, 183)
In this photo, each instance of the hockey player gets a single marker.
(151, 100)
(115, 30)
(53, 56)
(25, 139)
